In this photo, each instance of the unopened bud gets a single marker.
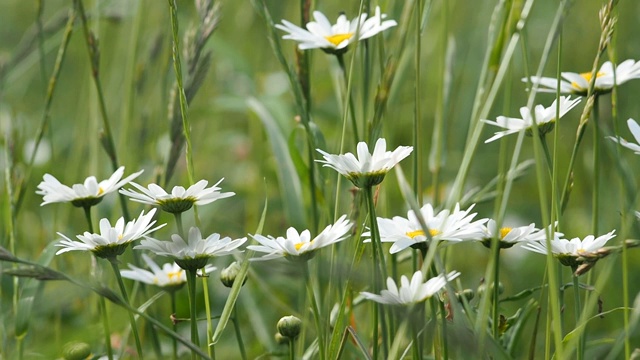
(281, 339)
(228, 274)
(289, 326)
(76, 351)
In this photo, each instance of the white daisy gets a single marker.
(170, 276)
(112, 240)
(545, 118)
(569, 252)
(509, 236)
(194, 253)
(368, 169)
(635, 131)
(456, 225)
(411, 292)
(179, 200)
(578, 84)
(82, 195)
(335, 38)
(300, 245)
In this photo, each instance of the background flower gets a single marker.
(411, 292)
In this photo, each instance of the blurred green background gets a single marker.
(230, 141)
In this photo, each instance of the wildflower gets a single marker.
(578, 84)
(545, 118)
(411, 292)
(179, 200)
(334, 39)
(289, 326)
(456, 225)
(369, 169)
(573, 252)
(170, 276)
(82, 195)
(194, 253)
(228, 275)
(635, 131)
(112, 240)
(509, 236)
(300, 245)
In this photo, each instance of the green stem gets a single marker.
(114, 265)
(348, 100)
(236, 327)
(577, 309)
(292, 353)
(178, 217)
(205, 288)
(596, 168)
(174, 342)
(316, 311)
(496, 288)
(191, 283)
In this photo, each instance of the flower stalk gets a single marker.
(191, 284)
(134, 329)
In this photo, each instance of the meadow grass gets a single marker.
(191, 90)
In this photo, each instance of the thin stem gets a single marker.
(105, 326)
(596, 168)
(191, 283)
(178, 217)
(236, 327)
(316, 311)
(207, 306)
(174, 342)
(114, 265)
(292, 353)
(348, 100)
(577, 308)
(496, 288)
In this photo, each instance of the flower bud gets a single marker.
(228, 274)
(76, 351)
(289, 326)
(280, 339)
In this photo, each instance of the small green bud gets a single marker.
(281, 340)
(483, 287)
(76, 351)
(289, 326)
(228, 274)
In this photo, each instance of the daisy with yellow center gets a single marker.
(334, 39)
(170, 276)
(456, 225)
(299, 245)
(578, 83)
(509, 236)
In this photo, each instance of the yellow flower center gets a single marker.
(338, 38)
(413, 234)
(504, 232)
(587, 77)
(100, 191)
(174, 276)
(120, 236)
(300, 244)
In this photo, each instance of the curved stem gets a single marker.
(114, 265)
(191, 283)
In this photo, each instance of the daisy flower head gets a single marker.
(180, 199)
(335, 39)
(545, 118)
(578, 83)
(299, 245)
(84, 195)
(112, 240)
(368, 169)
(635, 131)
(194, 253)
(410, 292)
(573, 252)
(170, 276)
(509, 236)
(456, 225)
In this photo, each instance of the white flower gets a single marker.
(335, 38)
(368, 169)
(300, 245)
(635, 131)
(445, 225)
(194, 253)
(509, 236)
(568, 251)
(169, 276)
(179, 200)
(578, 84)
(112, 240)
(545, 118)
(411, 292)
(82, 195)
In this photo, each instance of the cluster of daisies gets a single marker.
(192, 252)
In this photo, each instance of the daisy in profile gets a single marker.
(413, 292)
(112, 240)
(574, 252)
(635, 131)
(456, 225)
(300, 245)
(578, 83)
(334, 39)
(170, 276)
(509, 236)
(86, 194)
(194, 253)
(368, 169)
(179, 200)
(545, 118)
